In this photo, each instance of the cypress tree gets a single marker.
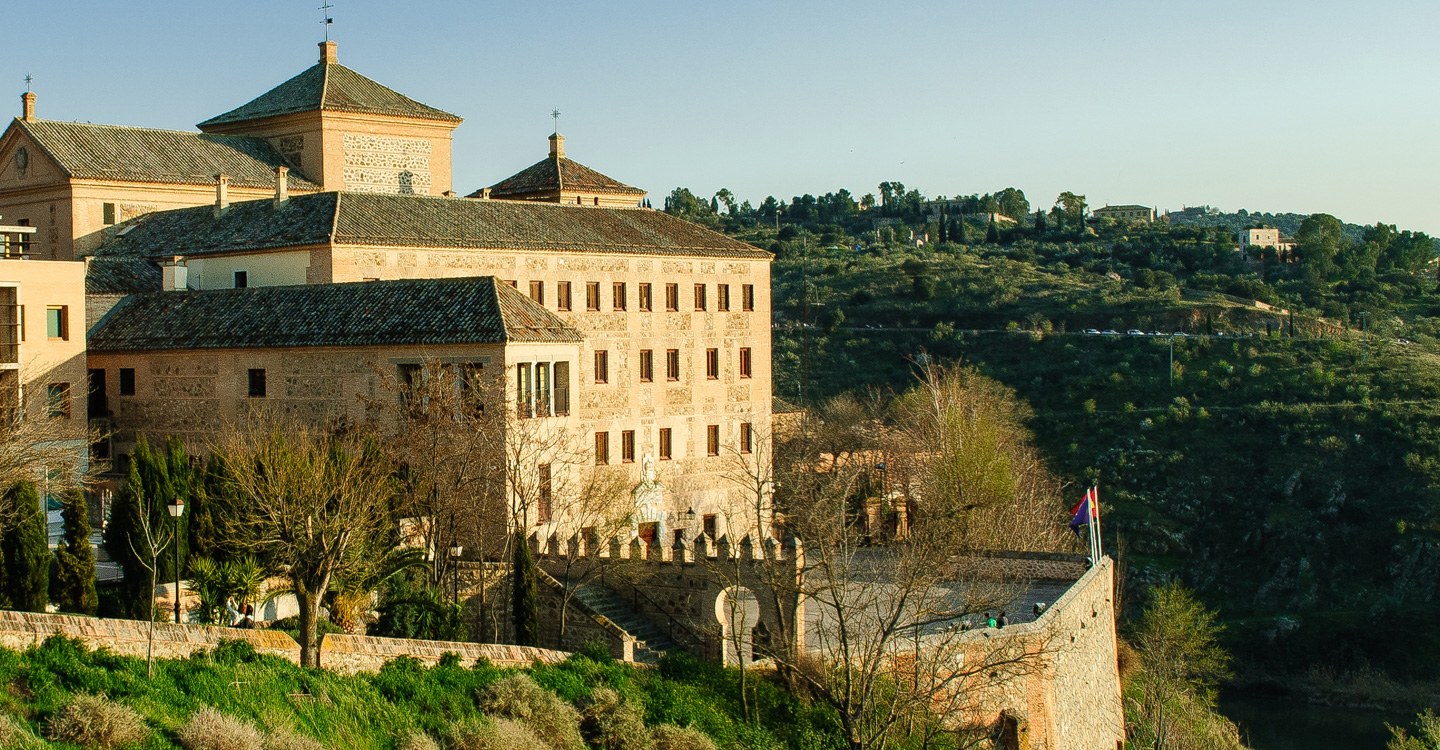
(73, 588)
(525, 604)
(1039, 223)
(125, 538)
(958, 233)
(26, 551)
(992, 235)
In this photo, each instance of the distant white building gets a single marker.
(1125, 213)
(1260, 239)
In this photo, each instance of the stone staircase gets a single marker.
(651, 642)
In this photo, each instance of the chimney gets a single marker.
(174, 276)
(327, 52)
(27, 106)
(485, 194)
(282, 186)
(557, 146)
(222, 194)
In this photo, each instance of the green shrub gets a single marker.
(612, 723)
(208, 729)
(93, 721)
(671, 737)
(495, 734)
(518, 697)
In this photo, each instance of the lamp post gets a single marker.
(177, 509)
(455, 552)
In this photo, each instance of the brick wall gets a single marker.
(349, 654)
(20, 630)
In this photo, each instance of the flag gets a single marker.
(1082, 513)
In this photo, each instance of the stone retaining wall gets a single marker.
(21, 630)
(349, 654)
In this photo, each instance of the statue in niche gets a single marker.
(649, 496)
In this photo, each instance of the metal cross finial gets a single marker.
(28, 80)
(325, 10)
(555, 115)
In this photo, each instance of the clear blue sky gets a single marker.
(1300, 105)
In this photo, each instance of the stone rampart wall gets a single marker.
(21, 630)
(349, 654)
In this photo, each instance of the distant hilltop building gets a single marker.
(1188, 213)
(1125, 213)
(1265, 238)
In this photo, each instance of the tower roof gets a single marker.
(556, 172)
(329, 86)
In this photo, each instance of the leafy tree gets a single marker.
(154, 480)
(525, 601)
(1072, 206)
(1181, 660)
(685, 204)
(73, 588)
(1318, 241)
(1011, 202)
(724, 196)
(26, 551)
(1426, 737)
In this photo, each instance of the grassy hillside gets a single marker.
(378, 712)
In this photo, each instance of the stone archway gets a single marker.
(737, 611)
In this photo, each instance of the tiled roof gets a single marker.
(478, 310)
(553, 173)
(121, 275)
(112, 152)
(331, 87)
(421, 221)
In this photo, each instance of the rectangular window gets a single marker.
(537, 292)
(602, 448)
(107, 211)
(712, 364)
(627, 447)
(747, 297)
(712, 440)
(562, 388)
(57, 322)
(744, 361)
(592, 295)
(562, 296)
(710, 525)
(256, 382)
(97, 407)
(542, 389)
(672, 297)
(645, 301)
(127, 381)
(747, 437)
(617, 299)
(672, 364)
(722, 297)
(524, 392)
(242, 279)
(57, 399)
(699, 297)
(514, 283)
(543, 507)
(664, 443)
(647, 366)
(602, 366)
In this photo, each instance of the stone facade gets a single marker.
(351, 654)
(21, 630)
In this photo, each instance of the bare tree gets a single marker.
(312, 500)
(53, 453)
(157, 535)
(887, 642)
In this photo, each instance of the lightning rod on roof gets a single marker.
(555, 115)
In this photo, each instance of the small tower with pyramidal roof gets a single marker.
(344, 131)
(559, 179)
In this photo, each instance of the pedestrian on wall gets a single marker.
(990, 620)
(1004, 620)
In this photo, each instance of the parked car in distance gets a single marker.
(1109, 332)
(1134, 332)
(1092, 332)
(1179, 333)
(1154, 333)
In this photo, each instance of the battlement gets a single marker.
(700, 549)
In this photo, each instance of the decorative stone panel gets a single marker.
(386, 164)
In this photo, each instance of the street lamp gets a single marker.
(455, 552)
(177, 509)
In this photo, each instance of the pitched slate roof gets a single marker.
(113, 152)
(421, 221)
(330, 87)
(121, 275)
(477, 310)
(553, 173)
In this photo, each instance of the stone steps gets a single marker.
(651, 642)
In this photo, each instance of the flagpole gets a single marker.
(1095, 511)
